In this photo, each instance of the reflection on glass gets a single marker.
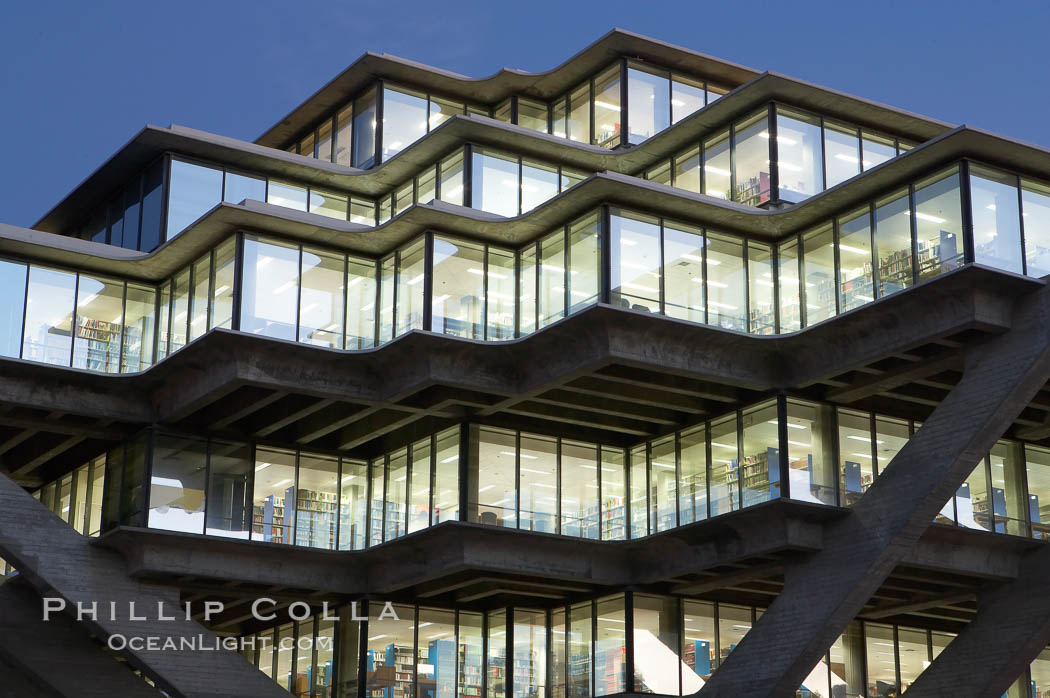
(274, 497)
(530, 654)
(1035, 200)
(538, 184)
(496, 503)
(49, 316)
(733, 623)
(364, 141)
(881, 661)
(552, 274)
(193, 190)
(614, 502)
(607, 108)
(788, 282)
(875, 150)
(856, 282)
(687, 96)
(639, 479)
(610, 674)
(360, 303)
(579, 490)
(751, 160)
(317, 497)
(404, 120)
(726, 306)
(648, 103)
(692, 483)
(636, 268)
(760, 288)
(390, 654)
(13, 290)
(99, 323)
(656, 645)
(532, 115)
(411, 272)
(725, 483)
(759, 471)
(938, 223)
(287, 195)
(176, 499)
(222, 286)
(810, 452)
(459, 288)
(450, 179)
(799, 154)
(495, 183)
(269, 288)
(584, 252)
(819, 264)
(240, 187)
(663, 485)
(717, 167)
(687, 170)
(893, 242)
(579, 119)
(841, 153)
(500, 295)
(996, 219)
(683, 248)
(229, 511)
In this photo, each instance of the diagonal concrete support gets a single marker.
(823, 592)
(1011, 627)
(37, 648)
(60, 563)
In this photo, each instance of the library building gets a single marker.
(647, 374)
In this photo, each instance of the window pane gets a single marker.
(577, 637)
(799, 154)
(687, 170)
(222, 296)
(855, 275)
(343, 127)
(502, 111)
(240, 187)
(324, 672)
(759, 472)
(875, 150)
(436, 654)
(810, 453)
(446, 479)
(441, 110)
(1040, 668)
(552, 278)
(328, 204)
(138, 328)
(663, 485)
(607, 108)
(496, 499)
(391, 656)
(306, 146)
(717, 173)
(419, 486)
(656, 643)
(610, 672)
(501, 285)
(698, 644)
(362, 212)
(360, 304)
(538, 184)
(274, 497)
(539, 484)
(893, 242)
(614, 504)
(687, 96)
(725, 283)
(176, 498)
(365, 129)
(527, 290)
(683, 267)
(841, 153)
(131, 214)
(152, 203)
(881, 661)
(425, 185)
(1008, 505)
(324, 141)
(192, 191)
(404, 120)
(579, 490)
(760, 287)
(180, 309)
(938, 221)
(788, 281)
(316, 501)
(410, 281)
(639, 492)
(403, 197)
(532, 115)
(49, 316)
(580, 114)
(13, 290)
(692, 486)
(471, 666)
(751, 155)
(199, 297)
(287, 195)
(819, 263)
(530, 654)
(496, 659)
(890, 437)
(996, 226)
(1035, 199)
(648, 103)
(451, 178)
(733, 623)
(321, 301)
(856, 470)
(459, 287)
(585, 258)
(725, 483)
(396, 496)
(1037, 461)
(229, 493)
(635, 265)
(495, 183)
(353, 502)
(100, 318)
(377, 471)
(386, 299)
(270, 287)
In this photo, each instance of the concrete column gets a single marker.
(824, 591)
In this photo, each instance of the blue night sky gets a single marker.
(77, 80)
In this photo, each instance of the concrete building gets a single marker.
(648, 374)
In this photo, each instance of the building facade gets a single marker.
(649, 374)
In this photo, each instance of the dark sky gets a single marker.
(78, 79)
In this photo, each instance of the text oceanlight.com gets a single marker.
(206, 643)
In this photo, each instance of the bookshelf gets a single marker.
(395, 521)
(610, 518)
(391, 672)
(315, 519)
(470, 670)
(754, 190)
(609, 670)
(698, 655)
(268, 519)
(103, 342)
(496, 687)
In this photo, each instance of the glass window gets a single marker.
(180, 310)
(819, 264)
(799, 154)
(751, 160)
(284, 646)
(100, 317)
(875, 150)
(419, 486)
(1037, 461)
(426, 185)
(558, 126)
(532, 115)
(436, 654)
(607, 108)
(353, 502)
(656, 645)
(810, 453)
(176, 498)
(841, 153)
(726, 306)
(938, 222)
(577, 639)
(635, 265)
(881, 661)
(324, 141)
(343, 128)
(610, 672)
(855, 259)
(323, 671)
(687, 96)
(229, 511)
(138, 321)
(496, 659)
(530, 654)
(1040, 669)
(328, 204)
(648, 103)
(725, 481)
(287, 195)
(459, 288)
(890, 437)
(856, 470)
(446, 477)
(396, 496)
(614, 504)
(362, 212)
(733, 623)
(717, 167)
(759, 471)
(192, 191)
(639, 492)
(585, 263)
(552, 279)
(527, 291)
(495, 183)
(116, 220)
(538, 184)
(539, 484)
(79, 515)
(404, 120)
(410, 281)
(13, 290)
(360, 304)
(403, 197)
(698, 644)
(496, 495)
(273, 503)
(386, 299)
(579, 119)
(687, 170)
(222, 295)
(321, 298)
(846, 658)
(199, 297)
(152, 203)
(441, 110)
(579, 490)
(163, 320)
(49, 316)
(316, 502)
(270, 288)
(98, 481)
(893, 243)
(365, 129)
(450, 175)
(996, 220)
(502, 111)
(663, 485)
(63, 499)
(1035, 200)
(760, 288)
(500, 295)
(1008, 506)
(306, 146)
(390, 660)
(788, 281)
(471, 666)
(683, 268)
(377, 471)
(692, 483)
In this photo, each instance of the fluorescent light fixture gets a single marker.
(262, 466)
(639, 287)
(864, 439)
(717, 170)
(416, 280)
(283, 287)
(221, 290)
(927, 217)
(790, 425)
(855, 250)
(606, 105)
(450, 459)
(715, 443)
(282, 482)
